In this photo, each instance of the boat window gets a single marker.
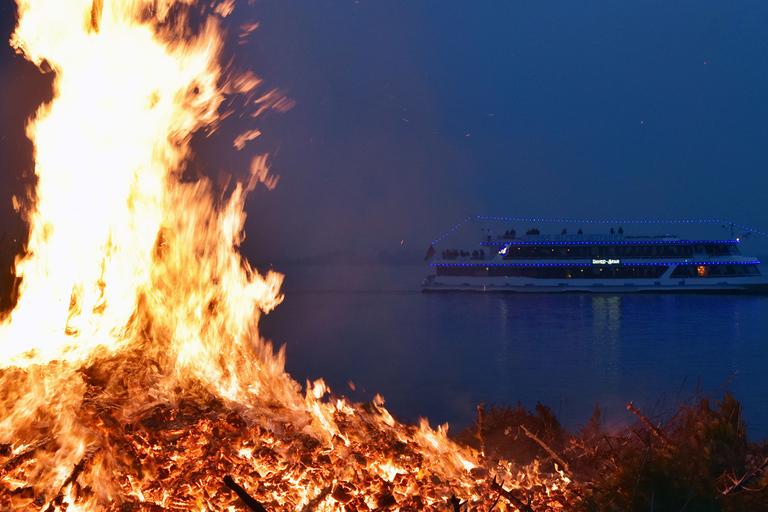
(686, 271)
(715, 270)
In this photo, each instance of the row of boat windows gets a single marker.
(554, 272)
(619, 251)
(593, 272)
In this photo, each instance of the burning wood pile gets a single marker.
(149, 454)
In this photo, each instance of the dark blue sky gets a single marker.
(411, 115)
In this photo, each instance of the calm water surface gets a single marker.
(440, 355)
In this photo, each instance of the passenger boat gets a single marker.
(619, 258)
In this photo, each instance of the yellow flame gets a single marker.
(113, 232)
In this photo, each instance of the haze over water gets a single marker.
(441, 355)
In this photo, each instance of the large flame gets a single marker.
(115, 238)
(134, 297)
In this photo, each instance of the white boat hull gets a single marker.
(745, 284)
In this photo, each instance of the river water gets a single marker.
(440, 355)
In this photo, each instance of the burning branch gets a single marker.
(314, 502)
(89, 453)
(514, 500)
(22, 456)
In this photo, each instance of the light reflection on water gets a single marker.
(440, 355)
(606, 335)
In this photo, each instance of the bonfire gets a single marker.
(132, 373)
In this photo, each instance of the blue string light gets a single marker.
(526, 219)
(598, 221)
(613, 242)
(747, 228)
(481, 263)
(452, 230)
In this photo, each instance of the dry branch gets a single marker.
(548, 450)
(746, 478)
(654, 429)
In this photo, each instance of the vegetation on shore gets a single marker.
(697, 458)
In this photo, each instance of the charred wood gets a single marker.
(243, 495)
(495, 503)
(456, 503)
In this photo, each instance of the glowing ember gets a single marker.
(132, 376)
